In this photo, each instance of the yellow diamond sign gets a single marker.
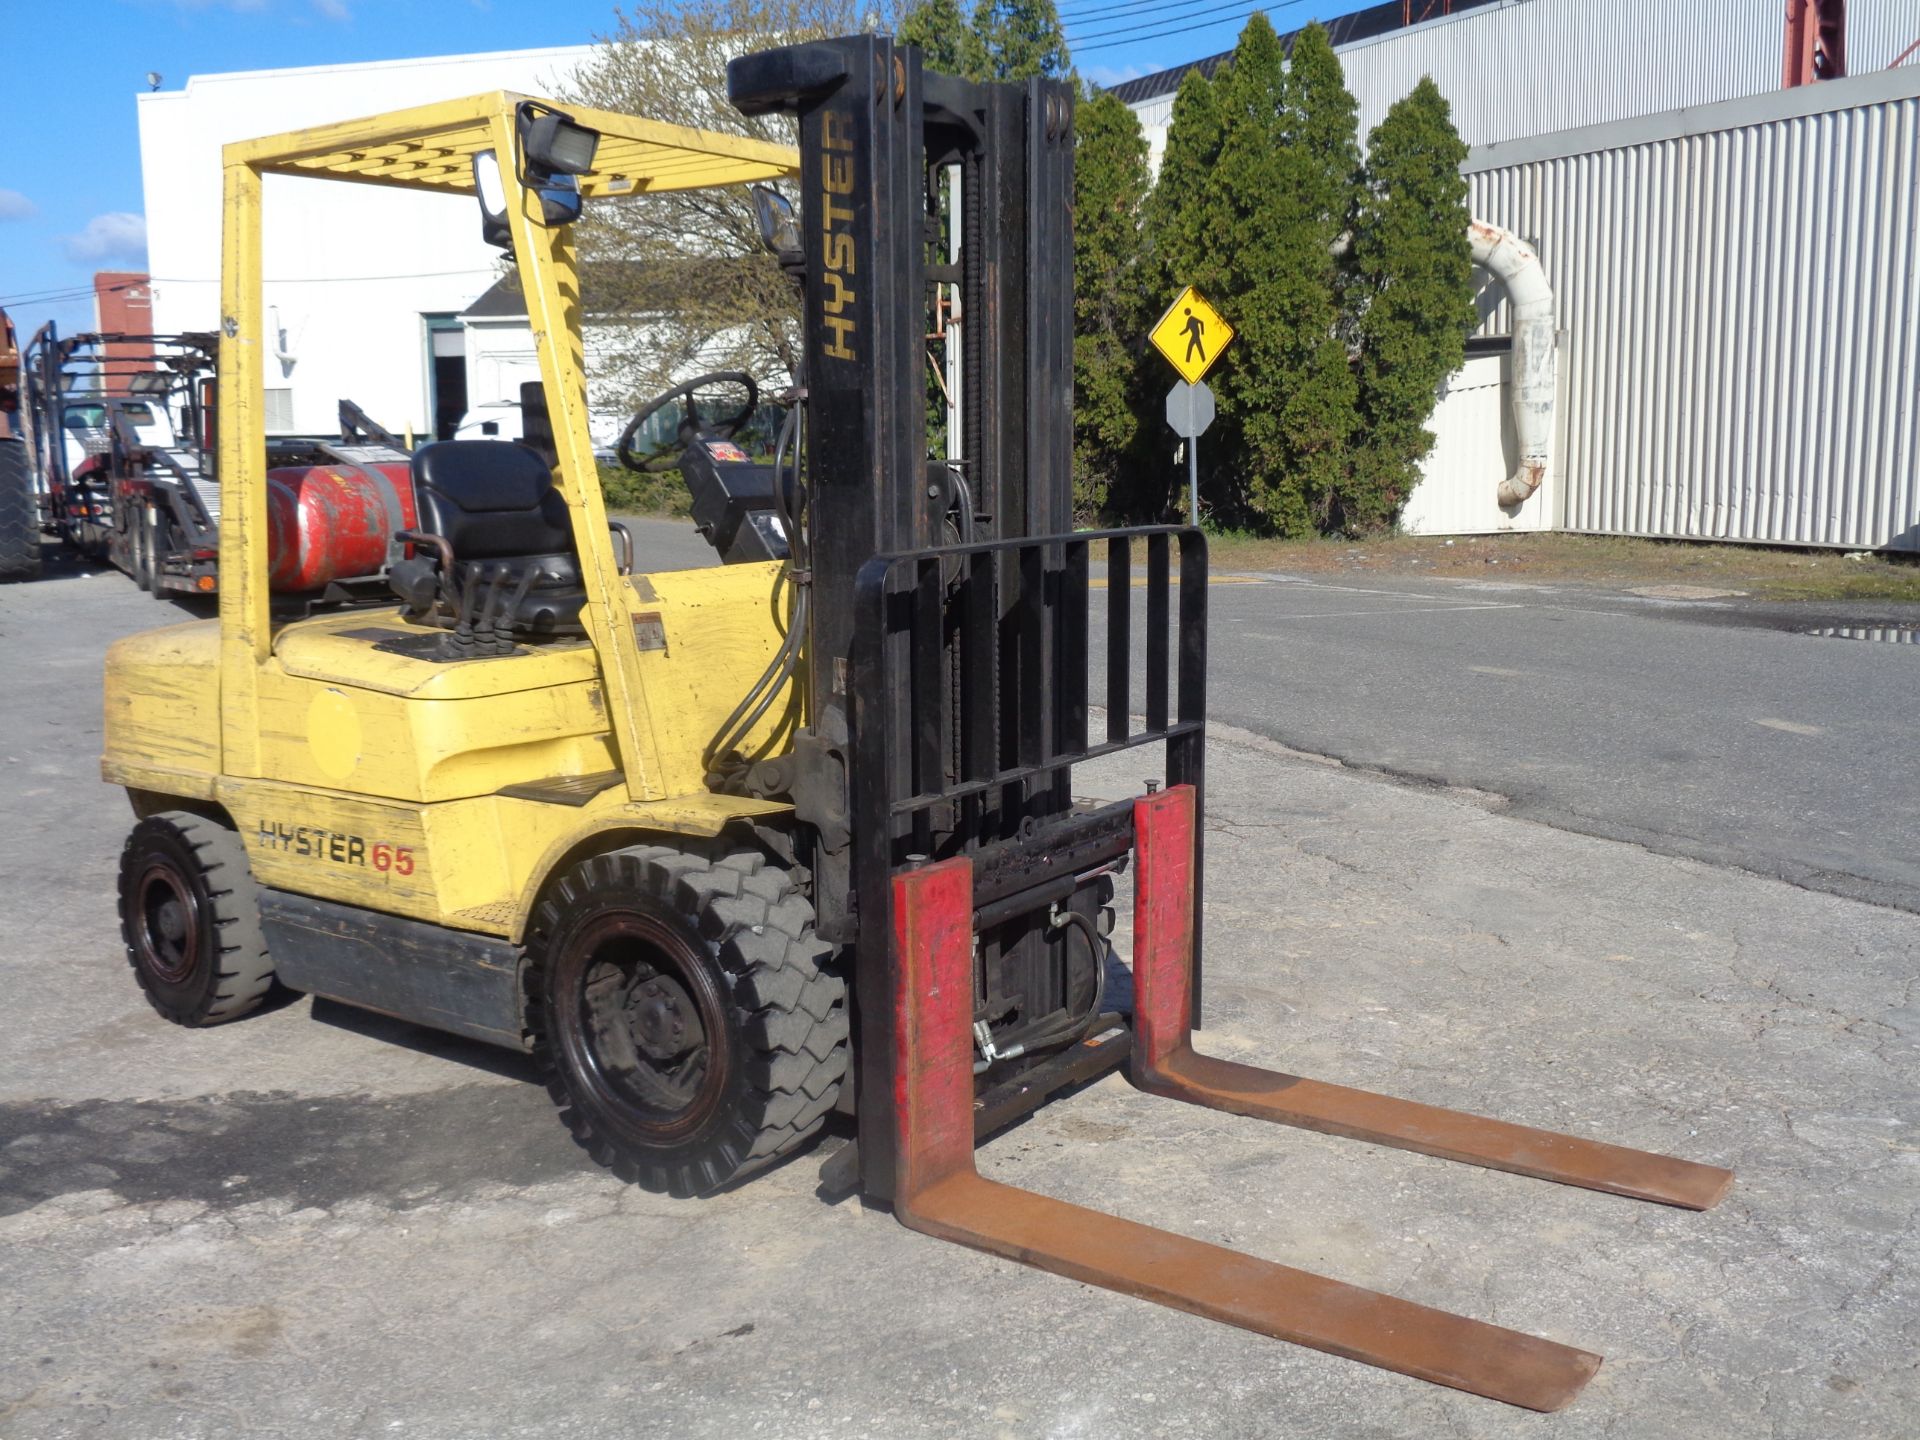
(1191, 335)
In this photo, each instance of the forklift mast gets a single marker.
(877, 135)
(948, 658)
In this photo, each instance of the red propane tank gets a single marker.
(330, 522)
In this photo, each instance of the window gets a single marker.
(279, 411)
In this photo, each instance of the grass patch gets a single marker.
(1610, 561)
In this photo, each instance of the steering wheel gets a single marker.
(691, 422)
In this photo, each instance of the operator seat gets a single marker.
(509, 563)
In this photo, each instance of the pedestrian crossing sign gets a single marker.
(1191, 335)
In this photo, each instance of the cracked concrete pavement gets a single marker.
(320, 1223)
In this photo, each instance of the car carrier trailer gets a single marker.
(121, 442)
(118, 429)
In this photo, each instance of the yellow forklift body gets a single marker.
(445, 789)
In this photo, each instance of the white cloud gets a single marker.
(113, 236)
(333, 9)
(1107, 75)
(15, 206)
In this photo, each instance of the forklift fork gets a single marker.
(1164, 1061)
(941, 1193)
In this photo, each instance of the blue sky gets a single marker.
(70, 196)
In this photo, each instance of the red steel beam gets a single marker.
(1815, 43)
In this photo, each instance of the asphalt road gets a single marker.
(321, 1223)
(1712, 728)
(1699, 728)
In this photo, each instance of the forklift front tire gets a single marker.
(190, 916)
(685, 1017)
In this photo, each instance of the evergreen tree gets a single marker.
(1256, 265)
(1176, 211)
(948, 42)
(1000, 40)
(1413, 273)
(1300, 442)
(1111, 304)
(1258, 185)
(1323, 127)
(1023, 39)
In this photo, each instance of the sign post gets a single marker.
(1190, 411)
(1191, 335)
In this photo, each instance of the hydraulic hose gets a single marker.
(1074, 1030)
(780, 670)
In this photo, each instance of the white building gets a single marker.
(365, 287)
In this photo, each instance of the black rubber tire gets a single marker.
(737, 938)
(146, 571)
(137, 547)
(190, 917)
(19, 515)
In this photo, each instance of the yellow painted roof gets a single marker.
(431, 147)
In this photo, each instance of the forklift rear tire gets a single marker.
(190, 916)
(686, 1018)
(19, 515)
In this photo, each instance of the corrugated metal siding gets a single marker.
(1742, 319)
(1531, 67)
(1878, 30)
(1546, 65)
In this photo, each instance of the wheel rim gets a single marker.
(646, 1026)
(167, 930)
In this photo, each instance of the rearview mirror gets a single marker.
(493, 200)
(779, 231)
(559, 200)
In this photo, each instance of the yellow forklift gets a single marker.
(728, 849)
